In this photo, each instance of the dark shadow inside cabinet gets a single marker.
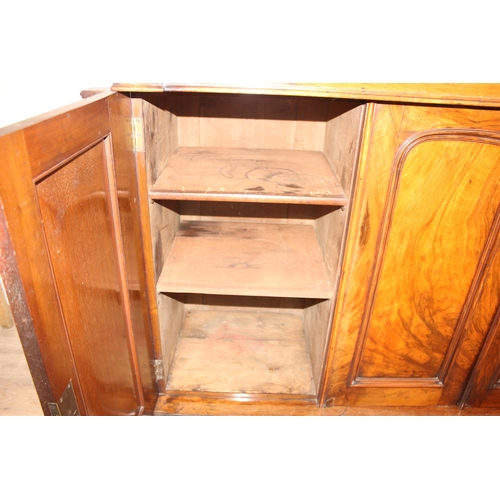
(248, 215)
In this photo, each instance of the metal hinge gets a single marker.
(158, 367)
(66, 406)
(138, 135)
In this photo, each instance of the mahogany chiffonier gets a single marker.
(292, 249)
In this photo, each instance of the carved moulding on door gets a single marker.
(437, 372)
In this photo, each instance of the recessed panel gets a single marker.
(75, 208)
(445, 204)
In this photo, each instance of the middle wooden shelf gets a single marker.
(241, 258)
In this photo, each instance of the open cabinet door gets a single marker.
(77, 282)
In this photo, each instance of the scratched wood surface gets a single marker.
(238, 174)
(275, 260)
(242, 352)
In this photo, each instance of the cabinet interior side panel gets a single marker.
(161, 142)
(341, 140)
(234, 121)
(316, 321)
(171, 314)
(160, 134)
(342, 137)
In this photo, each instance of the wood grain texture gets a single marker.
(241, 352)
(92, 91)
(27, 276)
(194, 404)
(160, 221)
(469, 94)
(75, 130)
(422, 289)
(341, 147)
(25, 332)
(265, 176)
(482, 387)
(43, 148)
(423, 274)
(231, 121)
(133, 239)
(236, 121)
(276, 260)
(79, 228)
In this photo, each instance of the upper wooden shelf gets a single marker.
(250, 175)
(249, 259)
(466, 94)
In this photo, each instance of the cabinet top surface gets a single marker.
(467, 94)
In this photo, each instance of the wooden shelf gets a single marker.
(244, 352)
(230, 258)
(256, 175)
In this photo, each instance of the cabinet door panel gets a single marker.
(443, 211)
(422, 242)
(79, 229)
(58, 187)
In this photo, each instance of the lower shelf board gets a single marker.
(242, 352)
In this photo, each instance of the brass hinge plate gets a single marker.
(138, 135)
(158, 367)
(66, 406)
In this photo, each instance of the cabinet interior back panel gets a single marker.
(245, 121)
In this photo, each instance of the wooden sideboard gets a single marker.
(293, 249)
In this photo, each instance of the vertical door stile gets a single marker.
(120, 256)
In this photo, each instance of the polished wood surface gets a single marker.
(406, 272)
(241, 352)
(275, 405)
(470, 94)
(424, 228)
(78, 220)
(24, 336)
(70, 255)
(273, 260)
(31, 291)
(131, 236)
(265, 176)
(483, 388)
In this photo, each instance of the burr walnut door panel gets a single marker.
(419, 290)
(68, 202)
